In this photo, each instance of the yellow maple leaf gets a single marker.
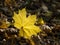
(4, 23)
(25, 24)
(41, 21)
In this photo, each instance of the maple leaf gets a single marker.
(3, 22)
(25, 24)
(41, 21)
